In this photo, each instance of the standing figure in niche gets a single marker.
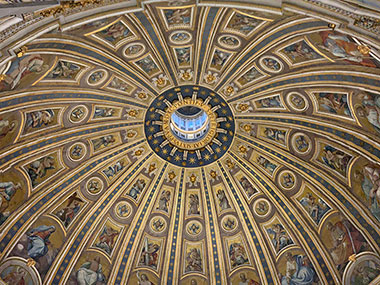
(223, 201)
(149, 254)
(237, 255)
(336, 159)
(299, 271)
(163, 203)
(67, 214)
(276, 135)
(270, 167)
(370, 182)
(193, 204)
(38, 119)
(104, 112)
(103, 141)
(193, 261)
(38, 169)
(346, 241)
(107, 239)
(91, 272)
(316, 209)
(137, 188)
(280, 237)
(247, 186)
(370, 109)
(271, 102)
(39, 241)
(20, 68)
(342, 47)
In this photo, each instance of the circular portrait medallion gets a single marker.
(94, 186)
(287, 180)
(77, 151)
(262, 207)
(271, 64)
(78, 114)
(194, 228)
(229, 223)
(123, 210)
(158, 224)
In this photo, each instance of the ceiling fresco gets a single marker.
(284, 188)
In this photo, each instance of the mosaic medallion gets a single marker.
(229, 223)
(123, 210)
(189, 126)
(194, 228)
(287, 180)
(95, 185)
(77, 151)
(262, 207)
(297, 101)
(78, 114)
(97, 77)
(301, 143)
(158, 224)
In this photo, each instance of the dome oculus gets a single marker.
(189, 123)
(189, 126)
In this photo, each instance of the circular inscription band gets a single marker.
(203, 150)
(183, 144)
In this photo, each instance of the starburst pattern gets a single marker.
(121, 210)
